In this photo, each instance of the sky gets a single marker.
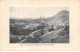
(34, 12)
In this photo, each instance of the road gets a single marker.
(46, 37)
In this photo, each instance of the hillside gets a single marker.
(53, 26)
(62, 16)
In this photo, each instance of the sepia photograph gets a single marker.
(39, 25)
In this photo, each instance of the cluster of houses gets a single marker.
(33, 25)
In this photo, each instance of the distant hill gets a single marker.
(60, 17)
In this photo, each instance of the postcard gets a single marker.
(40, 25)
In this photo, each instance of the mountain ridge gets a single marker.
(62, 16)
